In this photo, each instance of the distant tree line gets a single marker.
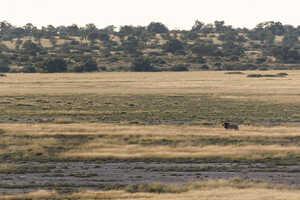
(154, 47)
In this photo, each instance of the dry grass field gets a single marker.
(166, 83)
(165, 118)
(192, 143)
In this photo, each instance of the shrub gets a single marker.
(254, 75)
(4, 67)
(74, 42)
(76, 68)
(156, 53)
(174, 46)
(90, 66)
(155, 188)
(158, 60)
(31, 48)
(233, 73)
(282, 74)
(204, 67)
(52, 65)
(103, 68)
(28, 69)
(267, 75)
(142, 64)
(179, 68)
(122, 68)
(197, 59)
(13, 70)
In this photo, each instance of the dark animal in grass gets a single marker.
(228, 125)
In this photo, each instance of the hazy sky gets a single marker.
(179, 14)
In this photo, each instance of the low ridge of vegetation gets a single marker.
(28, 49)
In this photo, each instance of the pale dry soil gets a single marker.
(75, 176)
(215, 190)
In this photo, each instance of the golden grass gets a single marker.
(112, 145)
(225, 193)
(46, 43)
(27, 146)
(41, 194)
(164, 83)
(94, 129)
(213, 190)
(6, 167)
(143, 142)
(115, 147)
(103, 149)
(9, 44)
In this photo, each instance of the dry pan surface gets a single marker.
(213, 190)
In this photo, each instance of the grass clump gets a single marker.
(10, 169)
(155, 188)
(267, 75)
(234, 72)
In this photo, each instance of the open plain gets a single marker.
(149, 136)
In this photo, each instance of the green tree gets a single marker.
(142, 64)
(53, 41)
(28, 69)
(18, 43)
(173, 46)
(157, 27)
(285, 54)
(109, 29)
(197, 26)
(232, 49)
(205, 49)
(103, 36)
(90, 28)
(89, 65)
(73, 30)
(29, 29)
(219, 25)
(276, 28)
(92, 36)
(131, 45)
(290, 39)
(31, 48)
(232, 36)
(4, 66)
(52, 65)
